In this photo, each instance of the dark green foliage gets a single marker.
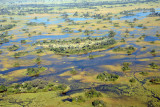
(67, 30)
(129, 49)
(92, 93)
(122, 40)
(59, 26)
(153, 65)
(88, 32)
(116, 25)
(125, 66)
(35, 71)
(107, 76)
(140, 25)
(6, 27)
(75, 14)
(133, 80)
(111, 34)
(153, 52)
(39, 51)
(90, 56)
(61, 87)
(73, 48)
(3, 38)
(32, 87)
(23, 41)
(38, 60)
(19, 54)
(34, 24)
(98, 103)
(2, 88)
(73, 71)
(144, 73)
(13, 48)
(78, 99)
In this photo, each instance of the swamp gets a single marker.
(79, 53)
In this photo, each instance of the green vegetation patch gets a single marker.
(35, 71)
(92, 93)
(13, 48)
(31, 87)
(129, 49)
(107, 76)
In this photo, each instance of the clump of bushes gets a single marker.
(91, 56)
(92, 93)
(98, 103)
(153, 52)
(129, 49)
(35, 71)
(153, 65)
(133, 80)
(13, 48)
(125, 66)
(23, 41)
(107, 76)
(32, 87)
(38, 60)
(73, 71)
(19, 54)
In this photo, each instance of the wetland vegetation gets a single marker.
(76, 53)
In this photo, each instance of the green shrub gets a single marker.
(13, 48)
(98, 103)
(35, 71)
(125, 66)
(133, 80)
(153, 65)
(23, 41)
(73, 71)
(92, 93)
